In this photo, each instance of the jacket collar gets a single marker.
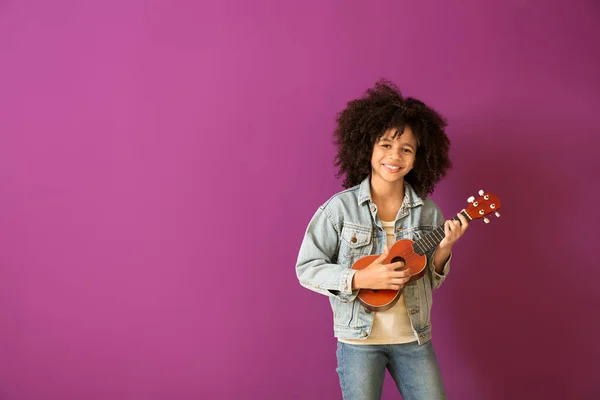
(410, 196)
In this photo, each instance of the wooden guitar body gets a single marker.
(402, 250)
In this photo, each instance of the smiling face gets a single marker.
(393, 157)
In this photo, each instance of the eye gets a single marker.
(407, 150)
(386, 146)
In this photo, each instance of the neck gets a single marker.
(383, 192)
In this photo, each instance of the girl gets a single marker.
(392, 152)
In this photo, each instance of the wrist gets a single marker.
(357, 280)
(441, 256)
(445, 250)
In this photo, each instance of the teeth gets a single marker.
(391, 167)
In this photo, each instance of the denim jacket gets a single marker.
(346, 228)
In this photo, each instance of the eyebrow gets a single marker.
(403, 144)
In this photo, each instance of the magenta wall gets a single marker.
(159, 162)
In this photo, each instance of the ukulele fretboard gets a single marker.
(433, 238)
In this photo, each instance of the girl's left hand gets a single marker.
(453, 231)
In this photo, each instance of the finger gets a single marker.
(383, 256)
(458, 228)
(447, 229)
(454, 227)
(401, 274)
(463, 220)
(399, 281)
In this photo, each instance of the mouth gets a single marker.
(391, 168)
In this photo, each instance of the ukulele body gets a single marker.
(402, 250)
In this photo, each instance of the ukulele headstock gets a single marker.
(484, 205)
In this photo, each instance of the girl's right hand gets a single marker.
(381, 276)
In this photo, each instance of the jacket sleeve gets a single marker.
(316, 266)
(435, 278)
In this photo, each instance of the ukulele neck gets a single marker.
(432, 239)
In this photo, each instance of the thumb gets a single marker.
(383, 256)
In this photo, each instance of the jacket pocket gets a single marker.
(356, 241)
(345, 314)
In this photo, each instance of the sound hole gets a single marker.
(399, 259)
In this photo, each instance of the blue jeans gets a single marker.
(414, 368)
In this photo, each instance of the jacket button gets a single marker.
(414, 311)
(364, 333)
(373, 208)
(353, 240)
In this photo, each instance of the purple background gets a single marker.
(159, 162)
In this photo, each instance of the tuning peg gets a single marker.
(471, 199)
(487, 221)
(481, 192)
(497, 214)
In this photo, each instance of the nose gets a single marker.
(395, 154)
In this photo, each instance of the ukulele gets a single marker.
(413, 253)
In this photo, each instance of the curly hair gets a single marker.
(364, 121)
